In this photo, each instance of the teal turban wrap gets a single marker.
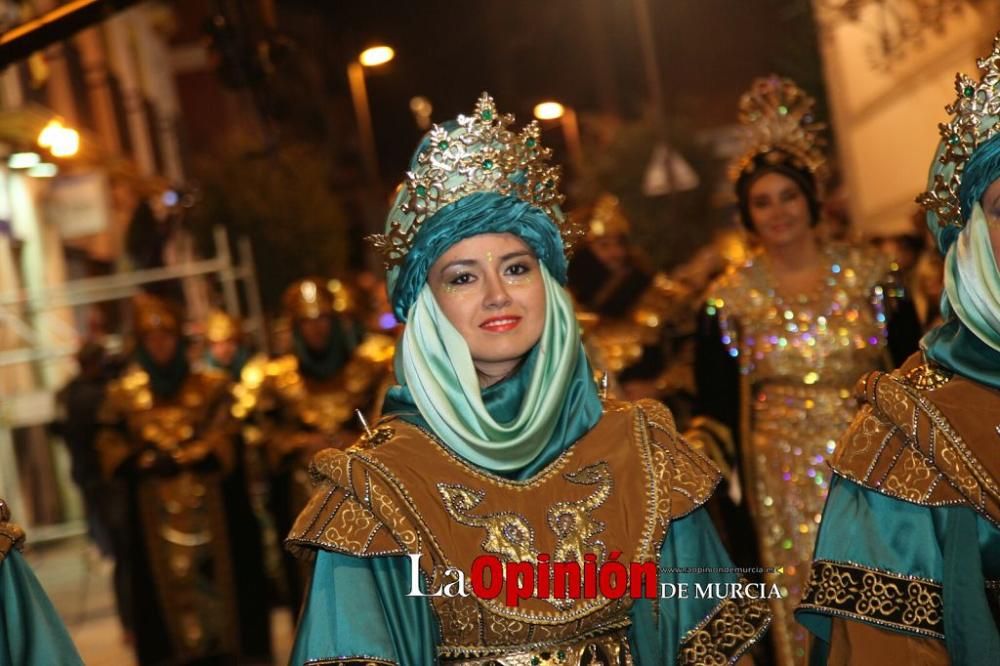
(968, 342)
(518, 425)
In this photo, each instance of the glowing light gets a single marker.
(376, 55)
(43, 170)
(549, 110)
(23, 160)
(61, 141)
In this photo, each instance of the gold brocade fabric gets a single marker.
(799, 358)
(921, 436)
(400, 491)
(181, 514)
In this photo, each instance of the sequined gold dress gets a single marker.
(777, 394)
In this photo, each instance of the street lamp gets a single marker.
(61, 141)
(370, 57)
(566, 116)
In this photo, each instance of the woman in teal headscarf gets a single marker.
(31, 633)
(907, 562)
(496, 444)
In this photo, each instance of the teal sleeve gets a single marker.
(945, 552)
(358, 607)
(31, 633)
(658, 632)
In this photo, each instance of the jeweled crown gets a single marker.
(479, 155)
(779, 119)
(976, 105)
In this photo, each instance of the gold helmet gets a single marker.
(154, 314)
(605, 218)
(221, 326)
(309, 298)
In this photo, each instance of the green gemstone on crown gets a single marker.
(550, 183)
(561, 654)
(421, 191)
(442, 144)
(953, 139)
(487, 164)
(530, 143)
(486, 115)
(969, 91)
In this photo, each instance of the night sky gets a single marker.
(582, 52)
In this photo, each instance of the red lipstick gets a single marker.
(501, 324)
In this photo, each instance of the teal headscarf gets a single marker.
(521, 423)
(968, 342)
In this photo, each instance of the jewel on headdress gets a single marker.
(974, 104)
(481, 155)
(778, 117)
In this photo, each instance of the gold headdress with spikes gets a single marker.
(479, 155)
(975, 120)
(778, 117)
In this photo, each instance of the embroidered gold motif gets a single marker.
(733, 626)
(883, 598)
(507, 534)
(572, 522)
(608, 646)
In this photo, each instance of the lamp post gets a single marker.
(571, 128)
(371, 57)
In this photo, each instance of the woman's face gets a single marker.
(490, 288)
(991, 206)
(779, 210)
(161, 345)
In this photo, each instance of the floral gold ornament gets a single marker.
(480, 154)
(779, 120)
(975, 113)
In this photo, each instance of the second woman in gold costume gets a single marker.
(782, 341)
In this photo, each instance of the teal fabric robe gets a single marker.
(31, 633)
(358, 607)
(955, 547)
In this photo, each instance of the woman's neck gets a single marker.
(492, 372)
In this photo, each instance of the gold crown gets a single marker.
(961, 136)
(778, 117)
(479, 155)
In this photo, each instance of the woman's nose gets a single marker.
(497, 295)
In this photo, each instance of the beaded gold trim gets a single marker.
(876, 596)
(352, 661)
(597, 647)
(726, 633)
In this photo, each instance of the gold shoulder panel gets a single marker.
(377, 349)
(11, 536)
(916, 437)
(355, 511)
(686, 477)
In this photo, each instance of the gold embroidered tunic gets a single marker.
(174, 452)
(798, 358)
(615, 493)
(919, 476)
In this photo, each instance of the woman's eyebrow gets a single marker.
(458, 262)
(516, 253)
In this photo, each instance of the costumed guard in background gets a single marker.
(782, 340)
(244, 489)
(31, 633)
(306, 401)
(631, 315)
(496, 443)
(167, 432)
(907, 562)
